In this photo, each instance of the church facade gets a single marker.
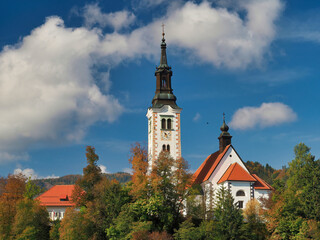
(221, 168)
(226, 168)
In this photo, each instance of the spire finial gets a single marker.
(224, 127)
(163, 32)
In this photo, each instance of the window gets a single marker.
(240, 193)
(163, 123)
(164, 83)
(163, 147)
(168, 148)
(240, 204)
(169, 123)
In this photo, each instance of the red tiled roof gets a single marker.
(236, 173)
(261, 184)
(208, 166)
(59, 195)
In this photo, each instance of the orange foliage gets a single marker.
(139, 162)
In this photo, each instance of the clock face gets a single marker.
(165, 135)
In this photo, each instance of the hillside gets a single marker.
(47, 183)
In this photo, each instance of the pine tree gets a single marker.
(228, 218)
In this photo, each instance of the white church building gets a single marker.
(223, 167)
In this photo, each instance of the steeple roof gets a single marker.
(164, 93)
(225, 137)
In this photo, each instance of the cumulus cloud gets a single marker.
(118, 20)
(268, 114)
(48, 92)
(103, 169)
(28, 172)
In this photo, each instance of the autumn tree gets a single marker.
(31, 220)
(13, 189)
(254, 226)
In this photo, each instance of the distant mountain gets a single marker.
(47, 183)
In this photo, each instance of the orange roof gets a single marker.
(208, 166)
(59, 195)
(236, 173)
(261, 184)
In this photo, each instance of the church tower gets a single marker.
(164, 114)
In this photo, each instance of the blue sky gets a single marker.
(78, 73)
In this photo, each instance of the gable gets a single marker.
(236, 173)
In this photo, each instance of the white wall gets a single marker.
(155, 140)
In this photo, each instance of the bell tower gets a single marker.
(164, 133)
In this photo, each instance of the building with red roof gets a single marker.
(226, 168)
(57, 199)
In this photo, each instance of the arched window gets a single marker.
(240, 193)
(169, 123)
(168, 148)
(164, 83)
(163, 123)
(163, 147)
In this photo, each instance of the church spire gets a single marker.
(163, 59)
(164, 93)
(225, 137)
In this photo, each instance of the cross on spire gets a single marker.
(163, 31)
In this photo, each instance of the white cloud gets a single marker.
(268, 114)
(197, 117)
(28, 172)
(103, 169)
(49, 177)
(127, 170)
(117, 20)
(47, 89)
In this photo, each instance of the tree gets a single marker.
(31, 220)
(91, 174)
(12, 191)
(32, 190)
(54, 231)
(228, 218)
(75, 226)
(297, 205)
(254, 227)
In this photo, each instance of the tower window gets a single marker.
(163, 147)
(169, 123)
(240, 193)
(168, 148)
(163, 123)
(164, 83)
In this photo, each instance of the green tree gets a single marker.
(298, 202)
(91, 174)
(54, 231)
(228, 218)
(32, 190)
(31, 220)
